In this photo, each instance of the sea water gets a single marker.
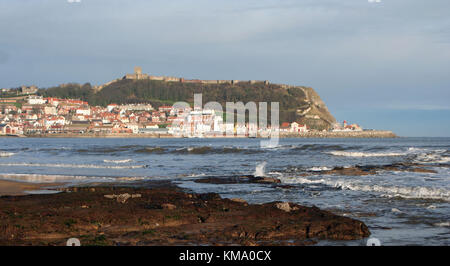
(400, 208)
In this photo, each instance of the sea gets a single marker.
(400, 208)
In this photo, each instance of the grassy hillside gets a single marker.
(293, 101)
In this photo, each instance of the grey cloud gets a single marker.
(3, 57)
(396, 52)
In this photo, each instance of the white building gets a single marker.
(55, 120)
(35, 100)
(84, 111)
(298, 128)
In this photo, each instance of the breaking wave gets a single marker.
(118, 161)
(434, 156)
(36, 178)
(319, 168)
(151, 150)
(419, 155)
(214, 150)
(387, 191)
(365, 154)
(260, 169)
(444, 224)
(6, 154)
(94, 166)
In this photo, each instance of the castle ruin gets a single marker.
(138, 75)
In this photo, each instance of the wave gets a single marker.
(101, 150)
(366, 154)
(444, 224)
(322, 147)
(42, 178)
(214, 150)
(37, 178)
(151, 150)
(75, 165)
(118, 161)
(6, 154)
(388, 191)
(432, 156)
(319, 168)
(260, 170)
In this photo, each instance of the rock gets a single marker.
(168, 206)
(122, 198)
(285, 206)
(268, 180)
(203, 219)
(238, 200)
(423, 170)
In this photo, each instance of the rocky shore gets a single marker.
(163, 214)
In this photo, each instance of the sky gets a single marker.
(383, 65)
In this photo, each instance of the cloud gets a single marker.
(3, 57)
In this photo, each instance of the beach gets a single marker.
(14, 188)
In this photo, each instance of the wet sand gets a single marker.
(13, 188)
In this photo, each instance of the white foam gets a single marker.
(36, 178)
(424, 155)
(6, 154)
(431, 158)
(396, 210)
(75, 166)
(118, 161)
(197, 175)
(388, 191)
(319, 168)
(42, 191)
(259, 171)
(365, 154)
(444, 224)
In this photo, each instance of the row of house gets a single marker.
(345, 126)
(40, 115)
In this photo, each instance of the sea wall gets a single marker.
(316, 134)
(347, 134)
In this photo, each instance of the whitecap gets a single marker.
(6, 154)
(444, 224)
(118, 161)
(365, 154)
(386, 191)
(319, 168)
(94, 166)
(260, 169)
(396, 210)
(38, 178)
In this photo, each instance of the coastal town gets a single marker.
(33, 115)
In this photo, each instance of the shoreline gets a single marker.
(19, 188)
(315, 134)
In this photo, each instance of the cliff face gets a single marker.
(297, 103)
(315, 114)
